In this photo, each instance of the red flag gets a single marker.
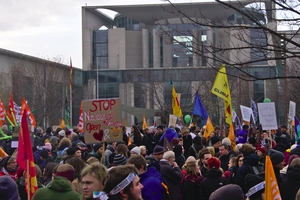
(11, 114)
(25, 156)
(2, 113)
(80, 124)
(28, 112)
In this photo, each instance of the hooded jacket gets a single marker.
(58, 189)
(290, 184)
(152, 182)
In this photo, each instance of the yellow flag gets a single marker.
(62, 124)
(144, 122)
(271, 187)
(231, 136)
(209, 128)
(221, 89)
(175, 104)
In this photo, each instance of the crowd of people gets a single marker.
(155, 163)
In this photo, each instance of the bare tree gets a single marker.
(43, 85)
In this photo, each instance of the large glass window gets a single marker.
(100, 49)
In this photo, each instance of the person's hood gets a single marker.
(152, 172)
(60, 184)
(293, 173)
(251, 159)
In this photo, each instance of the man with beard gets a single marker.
(204, 155)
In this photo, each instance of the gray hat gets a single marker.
(158, 150)
(136, 150)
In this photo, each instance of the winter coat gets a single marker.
(58, 189)
(212, 182)
(194, 149)
(248, 162)
(190, 186)
(172, 175)
(290, 184)
(152, 182)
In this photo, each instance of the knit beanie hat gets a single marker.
(292, 157)
(62, 133)
(228, 192)
(214, 163)
(158, 150)
(214, 140)
(250, 181)
(8, 188)
(44, 154)
(263, 150)
(119, 160)
(53, 139)
(96, 147)
(136, 150)
(275, 156)
(175, 141)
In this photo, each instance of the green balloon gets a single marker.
(187, 119)
(267, 100)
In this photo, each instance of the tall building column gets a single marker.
(197, 42)
(167, 49)
(156, 48)
(145, 46)
(209, 40)
(127, 98)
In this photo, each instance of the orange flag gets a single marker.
(28, 112)
(11, 114)
(144, 122)
(271, 187)
(2, 114)
(25, 156)
(231, 136)
(80, 123)
(62, 124)
(209, 128)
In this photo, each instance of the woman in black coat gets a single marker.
(213, 180)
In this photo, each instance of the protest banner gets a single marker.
(246, 113)
(292, 110)
(267, 116)
(102, 120)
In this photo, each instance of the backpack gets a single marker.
(257, 169)
(195, 152)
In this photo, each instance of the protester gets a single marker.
(78, 165)
(8, 189)
(9, 167)
(171, 174)
(150, 178)
(92, 179)
(123, 183)
(191, 180)
(213, 180)
(204, 155)
(60, 186)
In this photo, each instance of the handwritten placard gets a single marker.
(292, 110)
(267, 116)
(102, 120)
(172, 120)
(246, 113)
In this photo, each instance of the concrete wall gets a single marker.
(134, 49)
(116, 48)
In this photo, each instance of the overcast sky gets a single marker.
(47, 29)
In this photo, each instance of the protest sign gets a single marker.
(246, 113)
(292, 110)
(102, 120)
(267, 116)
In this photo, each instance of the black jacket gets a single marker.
(290, 184)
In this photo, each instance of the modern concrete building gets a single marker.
(135, 55)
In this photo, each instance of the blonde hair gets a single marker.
(212, 150)
(92, 160)
(190, 165)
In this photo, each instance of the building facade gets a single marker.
(136, 54)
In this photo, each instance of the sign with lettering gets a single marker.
(102, 120)
(172, 120)
(267, 116)
(246, 113)
(292, 110)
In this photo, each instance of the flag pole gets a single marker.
(71, 83)
(28, 178)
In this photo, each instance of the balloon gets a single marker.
(187, 119)
(267, 100)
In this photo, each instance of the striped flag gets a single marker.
(80, 124)
(2, 114)
(28, 112)
(11, 115)
(297, 128)
(175, 103)
(271, 188)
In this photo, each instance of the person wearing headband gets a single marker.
(122, 182)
